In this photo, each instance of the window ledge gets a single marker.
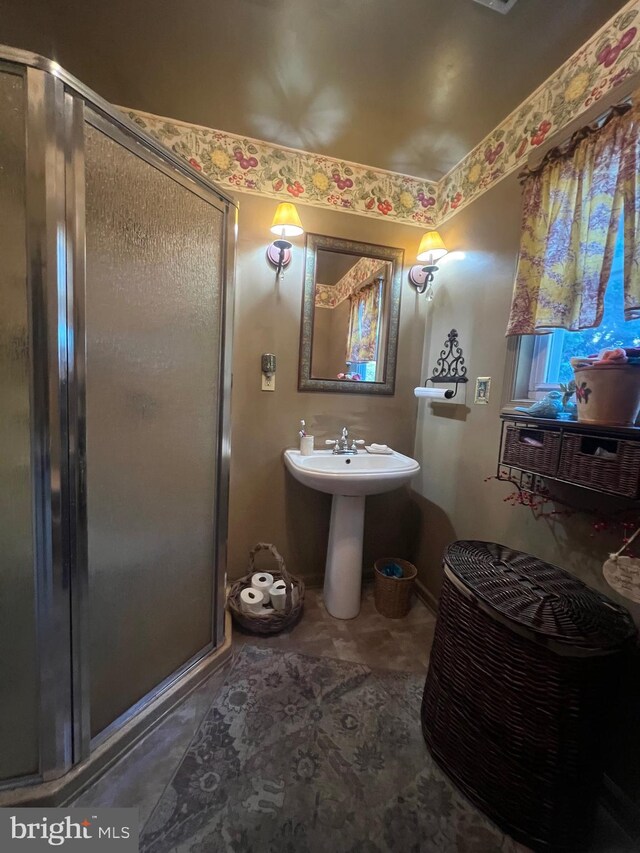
(510, 406)
(548, 386)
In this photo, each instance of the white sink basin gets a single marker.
(363, 474)
(349, 479)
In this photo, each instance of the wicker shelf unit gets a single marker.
(600, 458)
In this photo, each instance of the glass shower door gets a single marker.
(152, 338)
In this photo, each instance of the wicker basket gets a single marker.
(620, 476)
(523, 676)
(623, 573)
(393, 595)
(528, 457)
(271, 621)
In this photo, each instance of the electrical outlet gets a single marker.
(268, 366)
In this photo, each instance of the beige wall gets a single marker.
(458, 446)
(265, 502)
(330, 332)
(320, 349)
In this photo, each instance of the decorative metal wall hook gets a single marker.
(450, 367)
(279, 256)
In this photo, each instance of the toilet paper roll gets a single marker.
(262, 581)
(251, 600)
(278, 595)
(280, 590)
(434, 393)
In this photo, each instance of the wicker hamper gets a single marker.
(523, 673)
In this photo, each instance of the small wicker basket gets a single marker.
(623, 573)
(393, 595)
(271, 621)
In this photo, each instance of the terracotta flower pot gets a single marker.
(608, 394)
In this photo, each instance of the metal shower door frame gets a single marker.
(46, 283)
(56, 107)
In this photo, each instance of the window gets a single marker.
(366, 370)
(549, 354)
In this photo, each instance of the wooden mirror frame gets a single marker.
(306, 382)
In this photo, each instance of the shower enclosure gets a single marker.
(115, 341)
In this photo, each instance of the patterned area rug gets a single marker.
(300, 754)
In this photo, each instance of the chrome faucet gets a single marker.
(341, 445)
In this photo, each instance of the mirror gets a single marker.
(350, 315)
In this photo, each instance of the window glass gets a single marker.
(612, 332)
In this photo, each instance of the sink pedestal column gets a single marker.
(343, 571)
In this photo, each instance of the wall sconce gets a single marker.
(286, 223)
(421, 275)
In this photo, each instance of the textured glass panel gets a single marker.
(152, 333)
(18, 670)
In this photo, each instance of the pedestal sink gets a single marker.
(349, 479)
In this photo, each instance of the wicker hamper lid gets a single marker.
(551, 603)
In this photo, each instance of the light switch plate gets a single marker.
(483, 390)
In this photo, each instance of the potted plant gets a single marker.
(607, 388)
(569, 405)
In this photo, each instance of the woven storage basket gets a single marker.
(623, 573)
(522, 679)
(271, 621)
(542, 460)
(393, 595)
(620, 476)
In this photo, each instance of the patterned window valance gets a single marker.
(362, 340)
(572, 207)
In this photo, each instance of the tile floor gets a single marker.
(371, 639)
(139, 779)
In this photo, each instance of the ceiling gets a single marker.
(332, 266)
(406, 85)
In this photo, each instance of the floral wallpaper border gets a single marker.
(330, 296)
(605, 61)
(242, 164)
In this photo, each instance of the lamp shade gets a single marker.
(431, 247)
(286, 222)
